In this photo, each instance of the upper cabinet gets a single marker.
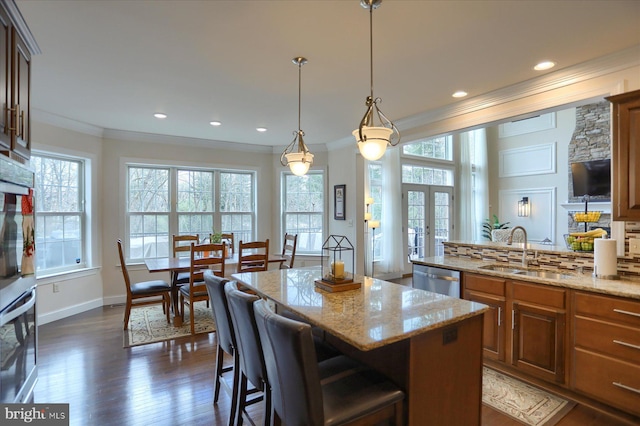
(16, 47)
(625, 191)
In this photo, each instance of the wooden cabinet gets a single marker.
(538, 321)
(491, 292)
(606, 350)
(525, 326)
(15, 84)
(625, 160)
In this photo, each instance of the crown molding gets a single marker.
(45, 117)
(124, 135)
(21, 26)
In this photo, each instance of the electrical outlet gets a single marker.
(56, 287)
(634, 246)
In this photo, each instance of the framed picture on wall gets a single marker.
(339, 197)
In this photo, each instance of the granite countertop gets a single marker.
(377, 314)
(626, 287)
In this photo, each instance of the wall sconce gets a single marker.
(524, 207)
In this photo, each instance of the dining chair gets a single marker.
(289, 250)
(204, 257)
(253, 256)
(228, 238)
(181, 246)
(252, 367)
(144, 292)
(338, 391)
(226, 336)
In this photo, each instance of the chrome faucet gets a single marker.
(524, 249)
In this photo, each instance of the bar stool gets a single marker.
(302, 392)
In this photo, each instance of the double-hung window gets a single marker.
(59, 199)
(163, 201)
(303, 210)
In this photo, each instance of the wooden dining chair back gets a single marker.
(338, 391)
(181, 247)
(143, 293)
(253, 256)
(252, 367)
(289, 250)
(204, 257)
(226, 337)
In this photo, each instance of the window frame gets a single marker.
(84, 167)
(173, 215)
(322, 214)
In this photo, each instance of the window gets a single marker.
(439, 148)
(375, 192)
(60, 217)
(426, 175)
(303, 210)
(205, 200)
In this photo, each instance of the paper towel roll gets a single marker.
(605, 260)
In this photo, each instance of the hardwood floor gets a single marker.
(82, 363)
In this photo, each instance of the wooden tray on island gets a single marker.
(337, 285)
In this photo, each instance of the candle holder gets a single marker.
(337, 265)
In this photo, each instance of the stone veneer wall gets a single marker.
(590, 141)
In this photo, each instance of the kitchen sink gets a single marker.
(544, 274)
(501, 268)
(529, 272)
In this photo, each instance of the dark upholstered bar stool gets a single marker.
(226, 339)
(252, 367)
(304, 393)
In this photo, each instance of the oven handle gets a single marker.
(5, 318)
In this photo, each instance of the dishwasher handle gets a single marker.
(442, 277)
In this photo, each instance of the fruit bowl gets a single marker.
(584, 244)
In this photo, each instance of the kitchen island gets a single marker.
(428, 344)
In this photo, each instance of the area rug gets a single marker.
(525, 403)
(148, 324)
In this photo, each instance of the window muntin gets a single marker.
(426, 175)
(303, 210)
(60, 217)
(164, 201)
(439, 147)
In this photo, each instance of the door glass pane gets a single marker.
(442, 209)
(416, 224)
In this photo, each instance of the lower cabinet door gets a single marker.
(538, 341)
(494, 331)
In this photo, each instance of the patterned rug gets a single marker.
(525, 403)
(147, 324)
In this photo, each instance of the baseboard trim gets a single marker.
(69, 311)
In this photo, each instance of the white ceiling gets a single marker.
(112, 64)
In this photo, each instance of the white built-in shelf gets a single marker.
(599, 206)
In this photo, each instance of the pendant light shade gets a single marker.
(373, 138)
(296, 155)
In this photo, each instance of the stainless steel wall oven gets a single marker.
(18, 324)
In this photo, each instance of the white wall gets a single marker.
(547, 218)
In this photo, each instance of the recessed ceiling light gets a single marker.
(544, 65)
(261, 129)
(460, 94)
(215, 123)
(160, 115)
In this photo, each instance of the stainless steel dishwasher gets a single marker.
(437, 280)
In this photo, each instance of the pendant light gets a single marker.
(373, 139)
(298, 161)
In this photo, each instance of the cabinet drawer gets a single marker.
(614, 382)
(611, 308)
(610, 339)
(540, 294)
(485, 284)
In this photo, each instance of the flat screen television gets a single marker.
(591, 178)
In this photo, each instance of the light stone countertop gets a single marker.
(626, 287)
(377, 314)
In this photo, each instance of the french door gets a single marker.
(427, 215)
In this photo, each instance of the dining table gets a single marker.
(183, 264)
(428, 344)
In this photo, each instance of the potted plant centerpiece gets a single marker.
(216, 238)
